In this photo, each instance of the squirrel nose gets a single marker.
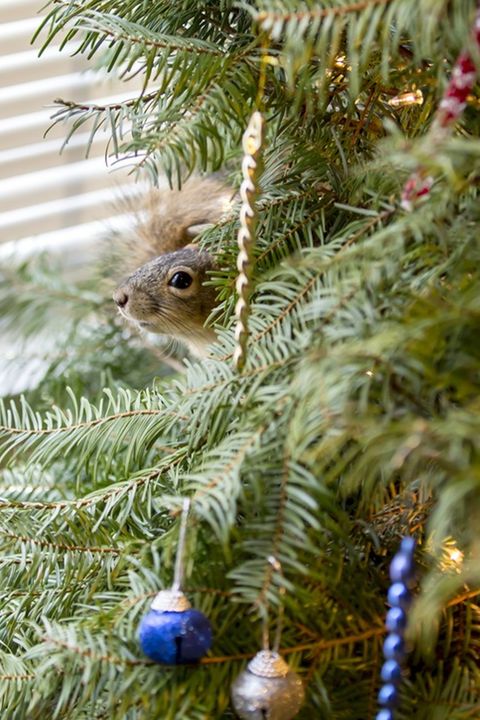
(120, 297)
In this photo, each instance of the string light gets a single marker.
(411, 97)
(452, 556)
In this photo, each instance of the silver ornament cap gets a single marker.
(268, 664)
(267, 689)
(170, 601)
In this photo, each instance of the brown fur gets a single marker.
(163, 217)
(158, 250)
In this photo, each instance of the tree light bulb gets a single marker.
(412, 97)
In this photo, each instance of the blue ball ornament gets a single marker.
(399, 595)
(394, 647)
(385, 714)
(388, 695)
(391, 672)
(173, 633)
(407, 545)
(402, 568)
(396, 620)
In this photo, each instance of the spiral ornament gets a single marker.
(251, 167)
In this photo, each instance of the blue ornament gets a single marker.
(407, 545)
(172, 632)
(396, 620)
(399, 595)
(401, 568)
(402, 572)
(391, 671)
(394, 647)
(385, 714)
(388, 695)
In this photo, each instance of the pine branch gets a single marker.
(354, 422)
(273, 17)
(59, 431)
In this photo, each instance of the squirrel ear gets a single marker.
(195, 230)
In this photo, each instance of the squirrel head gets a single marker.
(167, 295)
(166, 292)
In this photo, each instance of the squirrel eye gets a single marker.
(181, 280)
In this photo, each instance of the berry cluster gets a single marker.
(453, 103)
(402, 571)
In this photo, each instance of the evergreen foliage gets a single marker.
(355, 421)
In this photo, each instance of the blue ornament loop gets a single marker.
(402, 574)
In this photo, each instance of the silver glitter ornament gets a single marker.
(267, 689)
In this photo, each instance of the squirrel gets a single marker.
(166, 293)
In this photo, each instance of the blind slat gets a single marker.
(56, 183)
(24, 67)
(18, 10)
(46, 154)
(55, 215)
(41, 191)
(82, 86)
(16, 36)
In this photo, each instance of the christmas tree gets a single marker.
(354, 421)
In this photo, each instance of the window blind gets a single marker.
(51, 201)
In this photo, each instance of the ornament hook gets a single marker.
(179, 559)
(277, 567)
